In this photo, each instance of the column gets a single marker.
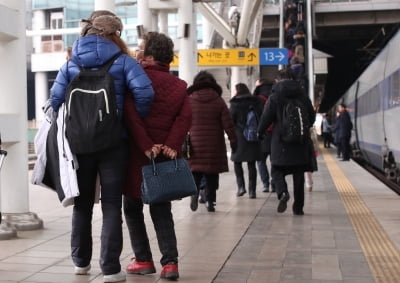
(104, 5)
(13, 118)
(145, 17)
(188, 41)
(163, 21)
(41, 87)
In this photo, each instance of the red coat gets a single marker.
(167, 123)
(211, 119)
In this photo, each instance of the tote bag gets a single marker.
(166, 181)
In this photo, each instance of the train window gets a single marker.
(395, 89)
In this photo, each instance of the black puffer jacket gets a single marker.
(239, 106)
(285, 154)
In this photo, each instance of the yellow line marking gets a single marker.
(382, 255)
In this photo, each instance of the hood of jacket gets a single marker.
(93, 50)
(288, 89)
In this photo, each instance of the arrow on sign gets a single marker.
(281, 56)
(252, 56)
(199, 56)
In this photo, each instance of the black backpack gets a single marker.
(92, 122)
(251, 125)
(295, 122)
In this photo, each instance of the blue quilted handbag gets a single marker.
(166, 181)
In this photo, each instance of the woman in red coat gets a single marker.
(162, 133)
(211, 119)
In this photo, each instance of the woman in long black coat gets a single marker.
(246, 151)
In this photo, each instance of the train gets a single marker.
(373, 101)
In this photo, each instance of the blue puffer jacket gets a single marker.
(93, 51)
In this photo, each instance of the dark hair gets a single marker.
(241, 88)
(159, 46)
(204, 76)
(343, 105)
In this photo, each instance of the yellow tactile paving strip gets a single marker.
(382, 255)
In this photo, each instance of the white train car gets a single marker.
(374, 104)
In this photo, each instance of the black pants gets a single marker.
(298, 184)
(251, 166)
(161, 216)
(211, 184)
(327, 139)
(110, 166)
(345, 147)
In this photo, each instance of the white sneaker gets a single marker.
(117, 277)
(82, 270)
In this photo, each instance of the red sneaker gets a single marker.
(170, 271)
(140, 267)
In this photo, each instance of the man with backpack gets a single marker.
(292, 113)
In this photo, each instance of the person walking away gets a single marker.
(263, 90)
(211, 119)
(162, 133)
(247, 151)
(345, 127)
(99, 42)
(288, 157)
(336, 139)
(326, 131)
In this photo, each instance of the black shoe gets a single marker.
(283, 202)
(194, 202)
(345, 159)
(241, 191)
(266, 189)
(210, 206)
(252, 194)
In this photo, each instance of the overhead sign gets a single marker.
(273, 56)
(239, 57)
(224, 57)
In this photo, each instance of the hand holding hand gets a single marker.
(169, 152)
(156, 149)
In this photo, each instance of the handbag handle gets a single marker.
(153, 163)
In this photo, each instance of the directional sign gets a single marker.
(239, 57)
(273, 56)
(225, 57)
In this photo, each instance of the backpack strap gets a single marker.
(108, 64)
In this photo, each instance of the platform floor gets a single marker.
(350, 233)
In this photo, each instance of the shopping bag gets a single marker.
(166, 181)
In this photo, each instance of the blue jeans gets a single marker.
(109, 165)
(263, 170)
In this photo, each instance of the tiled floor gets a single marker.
(245, 240)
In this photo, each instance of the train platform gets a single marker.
(350, 233)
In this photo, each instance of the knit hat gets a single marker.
(101, 22)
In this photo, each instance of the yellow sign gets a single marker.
(224, 57)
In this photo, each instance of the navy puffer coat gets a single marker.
(93, 51)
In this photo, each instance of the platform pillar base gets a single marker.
(23, 221)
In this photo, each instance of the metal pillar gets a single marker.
(13, 118)
(310, 59)
(163, 22)
(144, 16)
(188, 41)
